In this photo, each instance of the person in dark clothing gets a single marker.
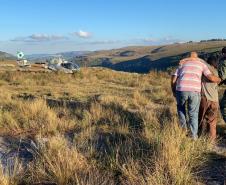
(222, 75)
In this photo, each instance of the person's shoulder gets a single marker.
(182, 61)
(201, 61)
(213, 69)
(185, 60)
(194, 60)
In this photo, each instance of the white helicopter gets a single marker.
(59, 64)
(21, 61)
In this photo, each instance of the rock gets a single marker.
(14, 150)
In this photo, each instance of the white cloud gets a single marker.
(46, 37)
(39, 38)
(163, 40)
(150, 40)
(83, 34)
(43, 43)
(103, 42)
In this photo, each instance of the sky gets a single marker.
(51, 26)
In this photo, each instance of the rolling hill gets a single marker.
(6, 56)
(142, 59)
(139, 59)
(65, 55)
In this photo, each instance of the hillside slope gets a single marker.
(65, 55)
(99, 127)
(142, 59)
(6, 56)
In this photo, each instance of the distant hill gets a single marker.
(71, 54)
(6, 56)
(142, 59)
(38, 56)
(66, 55)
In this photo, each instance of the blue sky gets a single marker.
(49, 26)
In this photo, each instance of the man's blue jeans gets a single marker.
(192, 100)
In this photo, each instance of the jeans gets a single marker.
(193, 102)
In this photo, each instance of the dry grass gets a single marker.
(178, 158)
(58, 163)
(102, 127)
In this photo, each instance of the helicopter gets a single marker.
(54, 64)
(59, 64)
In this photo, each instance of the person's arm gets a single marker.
(213, 78)
(174, 78)
(209, 75)
(173, 84)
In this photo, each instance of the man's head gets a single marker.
(212, 60)
(224, 51)
(194, 54)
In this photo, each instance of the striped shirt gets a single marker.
(190, 73)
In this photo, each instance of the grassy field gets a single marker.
(98, 127)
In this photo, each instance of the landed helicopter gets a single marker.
(55, 64)
(59, 64)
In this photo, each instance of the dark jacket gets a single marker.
(222, 70)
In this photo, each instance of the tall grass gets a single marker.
(121, 129)
(178, 158)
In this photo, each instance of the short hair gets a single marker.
(224, 50)
(212, 60)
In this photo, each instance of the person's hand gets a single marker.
(219, 81)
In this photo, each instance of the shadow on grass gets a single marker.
(133, 120)
(111, 147)
(112, 150)
(221, 131)
(120, 146)
(214, 171)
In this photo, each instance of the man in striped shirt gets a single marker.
(186, 86)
